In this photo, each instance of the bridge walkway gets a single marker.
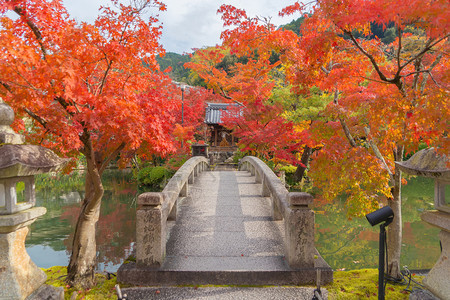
(225, 225)
(225, 228)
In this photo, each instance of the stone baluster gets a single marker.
(300, 231)
(150, 230)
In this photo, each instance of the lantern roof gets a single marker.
(26, 160)
(16, 159)
(427, 163)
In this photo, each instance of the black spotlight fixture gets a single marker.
(381, 215)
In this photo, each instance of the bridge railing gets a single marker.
(155, 208)
(292, 207)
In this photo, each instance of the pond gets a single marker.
(49, 240)
(344, 244)
(350, 245)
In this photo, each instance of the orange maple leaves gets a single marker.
(101, 78)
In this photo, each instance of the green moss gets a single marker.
(358, 284)
(56, 276)
(363, 284)
(130, 259)
(104, 288)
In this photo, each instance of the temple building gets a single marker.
(219, 138)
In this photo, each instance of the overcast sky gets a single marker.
(190, 24)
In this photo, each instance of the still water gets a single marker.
(344, 244)
(349, 245)
(49, 240)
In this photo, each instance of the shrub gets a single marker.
(154, 178)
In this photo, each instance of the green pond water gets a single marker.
(344, 244)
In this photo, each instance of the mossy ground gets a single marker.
(363, 284)
(357, 284)
(104, 289)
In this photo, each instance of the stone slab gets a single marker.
(225, 223)
(150, 199)
(300, 199)
(226, 263)
(9, 223)
(130, 273)
(227, 211)
(437, 280)
(47, 292)
(222, 293)
(422, 295)
(438, 219)
(221, 244)
(19, 276)
(26, 160)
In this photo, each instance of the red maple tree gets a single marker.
(93, 89)
(387, 99)
(256, 121)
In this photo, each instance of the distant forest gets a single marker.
(176, 62)
(180, 74)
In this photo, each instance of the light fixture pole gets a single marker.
(385, 215)
(182, 111)
(182, 104)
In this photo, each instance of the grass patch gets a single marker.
(363, 284)
(348, 285)
(104, 289)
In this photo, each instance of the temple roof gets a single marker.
(214, 112)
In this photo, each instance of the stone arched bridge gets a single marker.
(225, 227)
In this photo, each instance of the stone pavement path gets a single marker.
(225, 225)
(223, 293)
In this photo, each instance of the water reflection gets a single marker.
(353, 244)
(49, 242)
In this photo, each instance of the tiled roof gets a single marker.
(214, 112)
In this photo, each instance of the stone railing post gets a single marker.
(300, 231)
(150, 230)
(258, 177)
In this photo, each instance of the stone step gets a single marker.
(130, 273)
(223, 293)
(224, 263)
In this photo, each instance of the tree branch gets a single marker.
(349, 136)
(325, 70)
(37, 33)
(41, 121)
(344, 126)
(425, 76)
(6, 86)
(224, 93)
(113, 155)
(399, 51)
(378, 154)
(374, 80)
(37, 118)
(102, 84)
(369, 56)
(430, 44)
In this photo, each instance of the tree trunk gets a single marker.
(81, 269)
(300, 171)
(394, 232)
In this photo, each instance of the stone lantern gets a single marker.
(428, 163)
(19, 276)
